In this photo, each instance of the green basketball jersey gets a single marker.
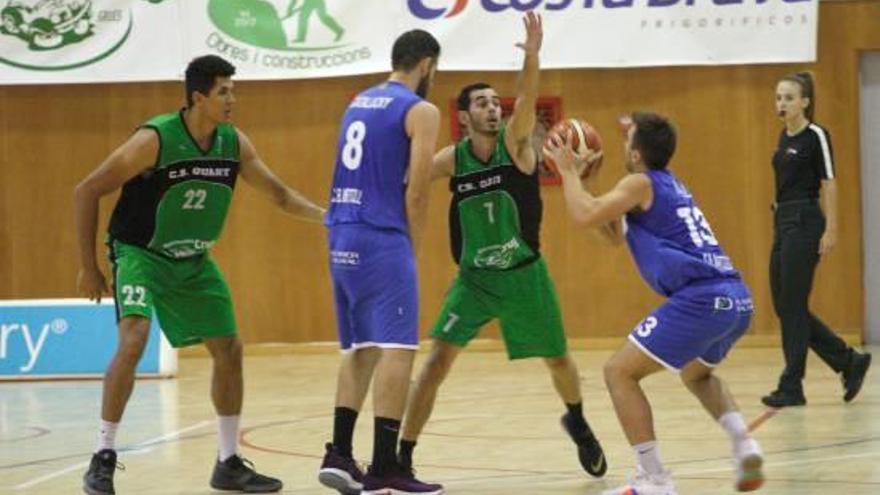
(495, 214)
(178, 207)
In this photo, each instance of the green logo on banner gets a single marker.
(276, 25)
(60, 34)
(282, 34)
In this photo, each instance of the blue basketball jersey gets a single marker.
(672, 243)
(372, 157)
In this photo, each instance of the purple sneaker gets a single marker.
(400, 482)
(340, 473)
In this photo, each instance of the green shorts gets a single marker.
(190, 296)
(523, 299)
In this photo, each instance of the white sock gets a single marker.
(648, 455)
(227, 436)
(107, 436)
(735, 426)
(747, 447)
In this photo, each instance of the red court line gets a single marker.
(242, 438)
(761, 419)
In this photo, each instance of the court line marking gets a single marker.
(138, 447)
(762, 418)
(794, 462)
(38, 431)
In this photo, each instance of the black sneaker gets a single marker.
(590, 453)
(778, 399)
(238, 475)
(399, 482)
(855, 375)
(98, 480)
(340, 473)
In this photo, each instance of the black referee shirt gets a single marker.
(801, 162)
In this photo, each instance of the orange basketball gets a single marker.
(583, 137)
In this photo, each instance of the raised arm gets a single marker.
(422, 126)
(132, 158)
(522, 122)
(256, 173)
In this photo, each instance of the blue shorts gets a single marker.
(374, 287)
(702, 321)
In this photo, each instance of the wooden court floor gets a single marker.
(495, 430)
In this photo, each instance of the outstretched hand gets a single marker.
(534, 33)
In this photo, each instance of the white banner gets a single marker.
(73, 41)
(479, 34)
(70, 41)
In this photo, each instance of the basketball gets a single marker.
(583, 137)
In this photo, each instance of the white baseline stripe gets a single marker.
(826, 151)
(105, 301)
(37, 481)
(80, 465)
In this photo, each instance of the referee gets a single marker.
(803, 165)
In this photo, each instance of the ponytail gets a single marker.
(805, 81)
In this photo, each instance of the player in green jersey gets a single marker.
(177, 173)
(494, 222)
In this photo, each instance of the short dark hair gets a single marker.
(654, 138)
(807, 85)
(202, 72)
(464, 97)
(412, 47)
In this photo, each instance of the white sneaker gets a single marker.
(646, 484)
(749, 461)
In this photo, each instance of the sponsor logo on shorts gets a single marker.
(350, 258)
(184, 248)
(498, 256)
(741, 305)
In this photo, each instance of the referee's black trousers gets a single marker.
(799, 226)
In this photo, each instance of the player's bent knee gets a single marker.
(614, 372)
(558, 363)
(695, 374)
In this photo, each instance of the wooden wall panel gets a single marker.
(277, 266)
(5, 240)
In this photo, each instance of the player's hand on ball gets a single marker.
(557, 149)
(591, 163)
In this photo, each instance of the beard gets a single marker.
(423, 87)
(488, 129)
